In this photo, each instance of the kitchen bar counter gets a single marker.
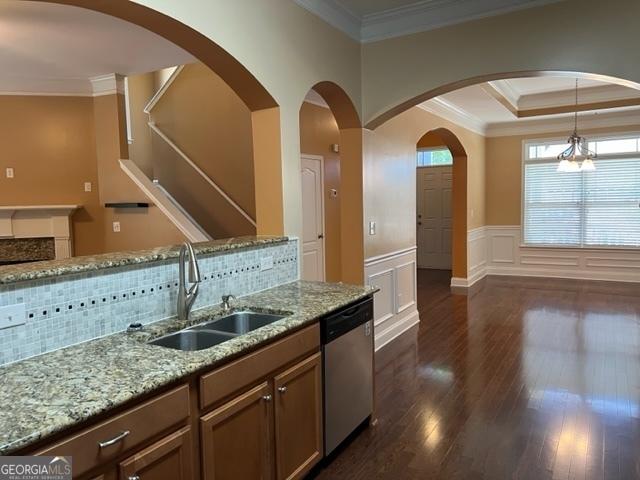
(49, 393)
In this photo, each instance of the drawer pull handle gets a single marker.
(282, 389)
(107, 443)
(267, 398)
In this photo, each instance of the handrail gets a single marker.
(184, 156)
(189, 229)
(158, 95)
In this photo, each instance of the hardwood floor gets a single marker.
(522, 378)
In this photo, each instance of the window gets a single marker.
(434, 157)
(583, 209)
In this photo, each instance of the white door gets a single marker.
(312, 218)
(434, 225)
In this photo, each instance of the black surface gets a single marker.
(127, 205)
(336, 324)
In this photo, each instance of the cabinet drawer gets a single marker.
(141, 422)
(251, 368)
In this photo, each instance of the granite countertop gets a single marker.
(52, 268)
(46, 394)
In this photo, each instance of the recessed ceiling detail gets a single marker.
(373, 20)
(536, 105)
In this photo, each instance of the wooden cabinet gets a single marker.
(167, 459)
(274, 429)
(298, 418)
(237, 438)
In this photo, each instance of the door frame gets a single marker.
(419, 169)
(319, 158)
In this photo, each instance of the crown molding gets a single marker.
(336, 15)
(504, 88)
(420, 16)
(109, 84)
(450, 112)
(554, 125)
(601, 93)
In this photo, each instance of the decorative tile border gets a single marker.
(75, 308)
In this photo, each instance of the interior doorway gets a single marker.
(441, 203)
(313, 244)
(434, 186)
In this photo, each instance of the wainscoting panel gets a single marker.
(395, 305)
(506, 256)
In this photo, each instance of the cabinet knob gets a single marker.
(267, 398)
(133, 477)
(282, 389)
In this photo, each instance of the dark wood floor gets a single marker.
(523, 378)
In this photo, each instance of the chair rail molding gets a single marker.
(395, 305)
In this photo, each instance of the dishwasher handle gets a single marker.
(341, 322)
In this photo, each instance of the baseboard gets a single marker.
(473, 278)
(568, 274)
(396, 329)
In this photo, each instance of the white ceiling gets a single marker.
(372, 20)
(476, 108)
(61, 47)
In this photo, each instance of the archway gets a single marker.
(449, 87)
(265, 114)
(347, 251)
(444, 137)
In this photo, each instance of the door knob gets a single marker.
(321, 236)
(419, 223)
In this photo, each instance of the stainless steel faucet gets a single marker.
(186, 298)
(226, 302)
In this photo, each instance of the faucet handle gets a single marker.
(225, 301)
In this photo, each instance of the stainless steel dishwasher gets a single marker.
(347, 345)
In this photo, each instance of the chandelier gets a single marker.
(577, 157)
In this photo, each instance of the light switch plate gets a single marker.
(266, 263)
(372, 228)
(87, 186)
(13, 315)
(116, 227)
(9, 172)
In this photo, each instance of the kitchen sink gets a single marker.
(214, 332)
(240, 322)
(192, 340)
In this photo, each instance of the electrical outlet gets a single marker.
(372, 228)
(13, 315)
(9, 172)
(116, 227)
(87, 186)
(266, 263)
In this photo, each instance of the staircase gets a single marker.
(193, 201)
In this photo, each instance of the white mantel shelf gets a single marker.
(39, 221)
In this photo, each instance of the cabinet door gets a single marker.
(167, 459)
(298, 406)
(237, 438)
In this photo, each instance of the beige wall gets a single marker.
(390, 183)
(318, 131)
(50, 144)
(400, 69)
(53, 144)
(504, 172)
(141, 89)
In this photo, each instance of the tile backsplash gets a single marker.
(69, 309)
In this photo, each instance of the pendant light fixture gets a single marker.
(577, 157)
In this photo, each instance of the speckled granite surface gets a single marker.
(26, 249)
(52, 268)
(46, 394)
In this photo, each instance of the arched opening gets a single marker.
(265, 115)
(441, 208)
(332, 188)
(380, 118)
